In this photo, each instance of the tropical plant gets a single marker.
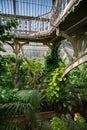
(29, 73)
(67, 123)
(7, 95)
(57, 124)
(60, 92)
(78, 75)
(27, 103)
(53, 59)
(5, 27)
(7, 65)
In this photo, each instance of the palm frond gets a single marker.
(27, 103)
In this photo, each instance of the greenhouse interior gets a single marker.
(43, 65)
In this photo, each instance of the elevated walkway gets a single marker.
(64, 16)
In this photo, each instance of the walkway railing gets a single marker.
(33, 16)
(34, 24)
(44, 22)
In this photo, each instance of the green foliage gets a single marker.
(54, 85)
(5, 28)
(45, 125)
(60, 92)
(53, 60)
(26, 102)
(2, 48)
(57, 124)
(11, 23)
(80, 118)
(7, 70)
(29, 74)
(31, 96)
(67, 123)
(78, 77)
(7, 95)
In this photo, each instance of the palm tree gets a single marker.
(27, 103)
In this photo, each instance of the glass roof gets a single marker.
(25, 7)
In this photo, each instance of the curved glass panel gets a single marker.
(25, 7)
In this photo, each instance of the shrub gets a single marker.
(67, 123)
(60, 92)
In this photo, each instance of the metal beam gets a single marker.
(76, 63)
(14, 7)
(26, 17)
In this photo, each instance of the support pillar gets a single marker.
(79, 43)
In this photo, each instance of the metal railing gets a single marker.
(33, 25)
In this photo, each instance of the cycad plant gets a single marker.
(27, 103)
